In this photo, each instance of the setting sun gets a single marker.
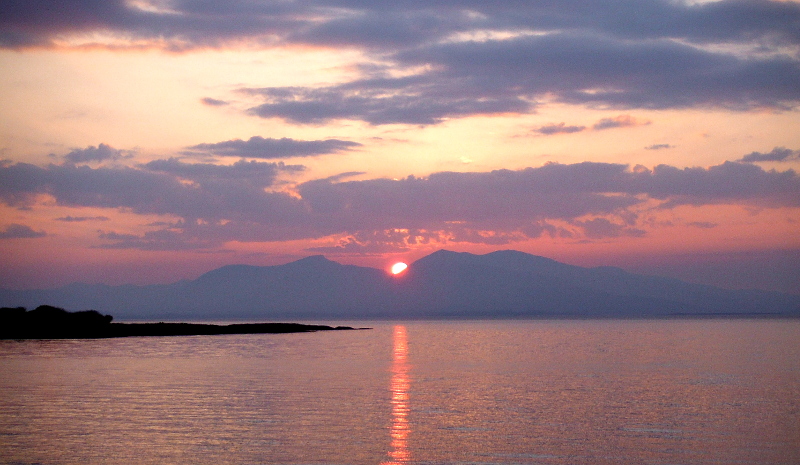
(399, 267)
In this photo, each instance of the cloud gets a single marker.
(497, 76)
(702, 224)
(159, 240)
(659, 147)
(493, 200)
(465, 58)
(728, 183)
(415, 100)
(584, 68)
(558, 128)
(20, 231)
(79, 219)
(779, 154)
(214, 192)
(599, 228)
(505, 206)
(102, 152)
(250, 172)
(382, 25)
(621, 121)
(259, 147)
(177, 26)
(377, 242)
(213, 204)
(212, 102)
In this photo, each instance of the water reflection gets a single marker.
(399, 388)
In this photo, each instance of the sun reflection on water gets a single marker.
(399, 388)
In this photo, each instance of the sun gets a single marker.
(398, 268)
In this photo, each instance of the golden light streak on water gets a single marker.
(399, 388)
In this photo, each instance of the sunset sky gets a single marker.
(151, 141)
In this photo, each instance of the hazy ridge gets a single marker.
(443, 284)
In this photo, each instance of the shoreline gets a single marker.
(161, 329)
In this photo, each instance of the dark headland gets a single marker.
(48, 322)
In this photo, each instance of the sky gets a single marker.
(149, 141)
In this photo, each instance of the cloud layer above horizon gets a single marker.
(213, 203)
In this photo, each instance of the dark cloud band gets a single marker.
(479, 57)
(268, 148)
(779, 154)
(219, 203)
(20, 231)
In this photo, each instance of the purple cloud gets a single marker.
(621, 121)
(102, 152)
(220, 203)
(599, 228)
(655, 54)
(256, 173)
(79, 219)
(416, 100)
(478, 78)
(212, 102)
(558, 128)
(20, 231)
(780, 154)
(702, 224)
(385, 25)
(267, 148)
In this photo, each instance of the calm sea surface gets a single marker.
(477, 392)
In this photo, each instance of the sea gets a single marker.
(692, 391)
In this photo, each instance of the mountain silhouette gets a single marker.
(443, 284)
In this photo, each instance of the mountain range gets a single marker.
(444, 284)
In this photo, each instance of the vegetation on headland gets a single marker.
(48, 322)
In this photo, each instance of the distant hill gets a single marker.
(444, 284)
